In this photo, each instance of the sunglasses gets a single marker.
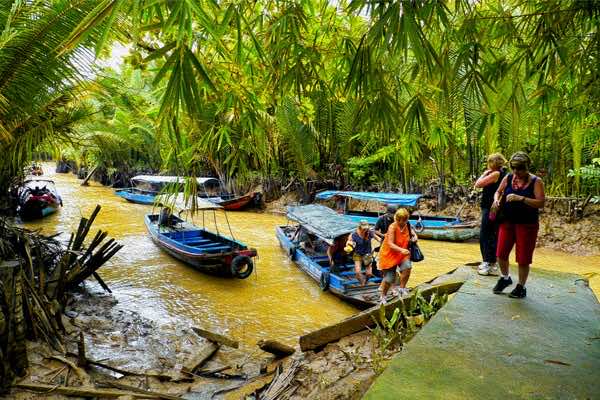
(518, 167)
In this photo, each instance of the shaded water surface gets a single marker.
(278, 302)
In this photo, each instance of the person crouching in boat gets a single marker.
(394, 256)
(165, 217)
(337, 254)
(360, 243)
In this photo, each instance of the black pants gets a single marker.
(488, 237)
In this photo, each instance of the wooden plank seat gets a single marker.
(218, 249)
(356, 282)
(196, 241)
(209, 245)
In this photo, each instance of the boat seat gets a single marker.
(356, 282)
(218, 248)
(196, 241)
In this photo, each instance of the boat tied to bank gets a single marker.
(427, 226)
(207, 251)
(37, 198)
(146, 187)
(322, 226)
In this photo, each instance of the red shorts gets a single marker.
(524, 235)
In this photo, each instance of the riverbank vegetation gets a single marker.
(396, 95)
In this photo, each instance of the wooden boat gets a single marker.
(427, 226)
(147, 187)
(209, 252)
(325, 225)
(37, 198)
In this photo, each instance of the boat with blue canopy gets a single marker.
(146, 187)
(306, 241)
(427, 226)
(207, 251)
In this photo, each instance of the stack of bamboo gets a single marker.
(36, 272)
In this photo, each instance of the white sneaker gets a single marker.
(494, 270)
(382, 300)
(403, 292)
(484, 268)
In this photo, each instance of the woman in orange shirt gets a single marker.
(395, 255)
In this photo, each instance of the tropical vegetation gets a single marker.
(397, 94)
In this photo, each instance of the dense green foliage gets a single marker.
(395, 93)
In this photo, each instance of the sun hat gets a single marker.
(364, 224)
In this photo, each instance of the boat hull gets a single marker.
(237, 203)
(205, 251)
(135, 197)
(434, 228)
(38, 199)
(340, 285)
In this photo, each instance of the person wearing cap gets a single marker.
(489, 181)
(360, 243)
(394, 256)
(384, 222)
(523, 195)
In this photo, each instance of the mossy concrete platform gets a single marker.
(487, 346)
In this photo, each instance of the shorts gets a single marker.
(523, 235)
(390, 276)
(366, 259)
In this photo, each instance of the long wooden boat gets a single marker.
(236, 203)
(433, 227)
(37, 198)
(206, 251)
(146, 187)
(325, 225)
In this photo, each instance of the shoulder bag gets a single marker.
(416, 255)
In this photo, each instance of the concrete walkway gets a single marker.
(487, 346)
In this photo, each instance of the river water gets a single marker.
(277, 302)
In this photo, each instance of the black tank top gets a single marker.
(518, 212)
(487, 196)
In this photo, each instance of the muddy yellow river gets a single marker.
(278, 302)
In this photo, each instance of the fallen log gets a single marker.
(87, 178)
(276, 348)
(200, 357)
(364, 319)
(81, 391)
(216, 337)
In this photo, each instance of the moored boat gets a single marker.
(146, 187)
(427, 226)
(325, 225)
(207, 251)
(37, 198)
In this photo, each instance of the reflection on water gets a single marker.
(277, 302)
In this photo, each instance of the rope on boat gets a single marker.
(228, 225)
(215, 219)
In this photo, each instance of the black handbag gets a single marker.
(416, 254)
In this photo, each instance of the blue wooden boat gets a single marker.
(325, 225)
(146, 187)
(209, 252)
(427, 226)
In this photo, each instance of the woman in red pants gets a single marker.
(523, 195)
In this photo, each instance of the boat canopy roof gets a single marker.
(34, 179)
(397, 199)
(171, 179)
(321, 221)
(180, 202)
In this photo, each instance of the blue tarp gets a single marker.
(397, 199)
(321, 221)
